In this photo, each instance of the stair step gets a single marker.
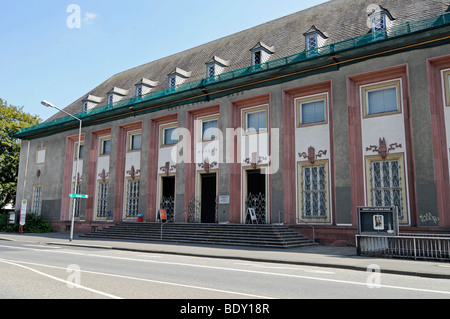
(275, 236)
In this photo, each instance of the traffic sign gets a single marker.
(78, 196)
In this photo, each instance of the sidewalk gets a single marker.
(319, 256)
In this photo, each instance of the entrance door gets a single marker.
(208, 199)
(168, 196)
(256, 195)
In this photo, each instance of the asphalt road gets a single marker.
(29, 271)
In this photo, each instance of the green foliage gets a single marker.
(33, 224)
(12, 120)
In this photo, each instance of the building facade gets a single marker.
(299, 120)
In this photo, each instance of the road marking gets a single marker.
(244, 271)
(17, 263)
(61, 280)
(287, 268)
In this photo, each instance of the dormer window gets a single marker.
(311, 42)
(257, 57)
(144, 86)
(172, 81)
(379, 20)
(178, 76)
(211, 70)
(314, 39)
(90, 102)
(261, 53)
(115, 95)
(216, 66)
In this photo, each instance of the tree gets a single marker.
(12, 120)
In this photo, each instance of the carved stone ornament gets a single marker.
(103, 175)
(79, 178)
(206, 165)
(133, 172)
(255, 160)
(167, 168)
(311, 156)
(382, 148)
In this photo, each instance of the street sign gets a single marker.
(23, 213)
(79, 196)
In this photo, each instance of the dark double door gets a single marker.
(208, 198)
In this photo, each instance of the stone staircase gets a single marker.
(269, 236)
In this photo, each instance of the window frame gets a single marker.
(102, 202)
(37, 202)
(310, 99)
(254, 55)
(101, 147)
(370, 159)
(321, 218)
(75, 151)
(366, 89)
(130, 136)
(162, 132)
(172, 81)
(128, 198)
(312, 36)
(201, 131)
(38, 150)
(446, 86)
(244, 119)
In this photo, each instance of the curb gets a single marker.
(265, 260)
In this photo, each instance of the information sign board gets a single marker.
(378, 221)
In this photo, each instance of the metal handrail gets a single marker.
(169, 220)
(298, 219)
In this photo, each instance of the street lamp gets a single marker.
(48, 104)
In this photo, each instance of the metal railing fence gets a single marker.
(408, 247)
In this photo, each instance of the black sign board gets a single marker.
(378, 221)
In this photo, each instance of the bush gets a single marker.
(33, 224)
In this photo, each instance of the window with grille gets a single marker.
(37, 200)
(311, 42)
(172, 81)
(386, 184)
(211, 70)
(257, 57)
(314, 191)
(379, 26)
(102, 199)
(132, 198)
(378, 22)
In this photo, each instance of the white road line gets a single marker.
(247, 271)
(17, 263)
(59, 279)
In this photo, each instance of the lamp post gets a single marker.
(48, 104)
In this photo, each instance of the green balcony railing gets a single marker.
(333, 48)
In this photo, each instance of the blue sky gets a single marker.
(42, 58)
